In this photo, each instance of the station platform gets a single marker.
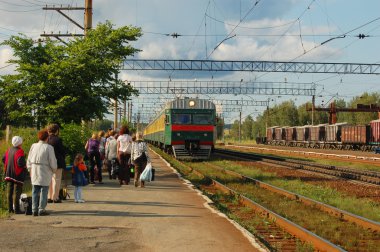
(167, 215)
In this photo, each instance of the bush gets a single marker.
(74, 137)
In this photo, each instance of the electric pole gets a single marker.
(87, 20)
(87, 16)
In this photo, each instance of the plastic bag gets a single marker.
(146, 175)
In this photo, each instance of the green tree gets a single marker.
(246, 128)
(68, 83)
(234, 132)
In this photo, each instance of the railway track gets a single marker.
(282, 227)
(370, 177)
(344, 215)
(278, 228)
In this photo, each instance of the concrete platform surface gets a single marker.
(166, 215)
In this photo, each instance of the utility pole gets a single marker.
(87, 16)
(115, 107)
(87, 20)
(125, 109)
(240, 127)
(312, 109)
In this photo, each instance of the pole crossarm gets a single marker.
(61, 35)
(223, 87)
(251, 66)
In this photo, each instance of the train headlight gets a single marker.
(205, 134)
(178, 134)
(191, 103)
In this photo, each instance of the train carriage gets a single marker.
(334, 135)
(356, 136)
(185, 127)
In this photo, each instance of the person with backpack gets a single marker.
(92, 149)
(139, 157)
(79, 180)
(124, 145)
(15, 171)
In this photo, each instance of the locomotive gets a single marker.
(325, 136)
(185, 127)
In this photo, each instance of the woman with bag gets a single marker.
(139, 157)
(15, 171)
(124, 144)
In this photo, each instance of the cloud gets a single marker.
(5, 55)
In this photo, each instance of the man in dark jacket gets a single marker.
(15, 171)
(60, 153)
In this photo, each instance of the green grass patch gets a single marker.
(363, 207)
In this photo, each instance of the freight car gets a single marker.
(334, 136)
(185, 128)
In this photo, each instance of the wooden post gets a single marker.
(8, 133)
(87, 16)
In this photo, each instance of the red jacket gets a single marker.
(15, 165)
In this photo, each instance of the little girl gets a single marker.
(79, 180)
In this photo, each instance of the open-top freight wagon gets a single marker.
(333, 136)
(185, 128)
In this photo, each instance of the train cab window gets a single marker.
(181, 119)
(167, 120)
(202, 119)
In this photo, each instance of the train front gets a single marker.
(191, 123)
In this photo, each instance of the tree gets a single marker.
(246, 128)
(234, 132)
(68, 83)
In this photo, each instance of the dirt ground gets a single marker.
(166, 215)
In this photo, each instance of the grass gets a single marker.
(327, 226)
(363, 207)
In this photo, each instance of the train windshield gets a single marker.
(181, 119)
(202, 119)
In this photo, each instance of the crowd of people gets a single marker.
(123, 154)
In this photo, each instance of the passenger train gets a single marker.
(186, 127)
(333, 136)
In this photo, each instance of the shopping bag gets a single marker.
(146, 175)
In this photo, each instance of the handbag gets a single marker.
(146, 175)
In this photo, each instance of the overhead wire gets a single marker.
(229, 34)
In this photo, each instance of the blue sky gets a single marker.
(296, 26)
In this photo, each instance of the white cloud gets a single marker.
(5, 55)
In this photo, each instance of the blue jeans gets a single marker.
(39, 198)
(78, 193)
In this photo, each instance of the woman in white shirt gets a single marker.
(124, 145)
(42, 164)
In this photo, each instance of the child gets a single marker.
(79, 179)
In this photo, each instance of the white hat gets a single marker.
(16, 141)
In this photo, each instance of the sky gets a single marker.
(267, 30)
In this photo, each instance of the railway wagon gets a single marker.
(185, 127)
(303, 133)
(375, 132)
(290, 134)
(270, 134)
(317, 134)
(355, 136)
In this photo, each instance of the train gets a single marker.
(185, 127)
(326, 136)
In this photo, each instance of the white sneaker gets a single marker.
(81, 201)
